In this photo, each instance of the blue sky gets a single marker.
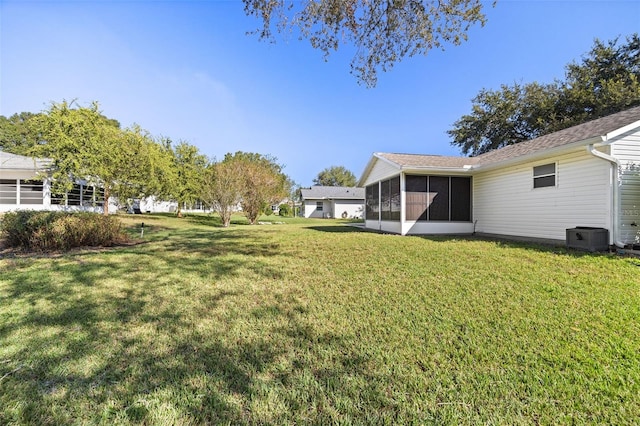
(188, 71)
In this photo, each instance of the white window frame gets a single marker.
(544, 174)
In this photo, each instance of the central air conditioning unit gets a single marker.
(588, 238)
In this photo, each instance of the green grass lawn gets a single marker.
(315, 322)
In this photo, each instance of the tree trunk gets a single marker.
(105, 207)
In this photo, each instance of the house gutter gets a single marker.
(615, 166)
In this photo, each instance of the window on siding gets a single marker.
(8, 191)
(544, 176)
(99, 194)
(372, 202)
(319, 206)
(71, 198)
(31, 192)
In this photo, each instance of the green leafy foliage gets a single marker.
(335, 176)
(17, 136)
(222, 190)
(382, 31)
(607, 80)
(187, 173)
(84, 144)
(48, 231)
(284, 210)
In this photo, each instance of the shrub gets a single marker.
(285, 210)
(47, 231)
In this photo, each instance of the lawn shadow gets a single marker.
(127, 353)
(542, 247)
(335, 228)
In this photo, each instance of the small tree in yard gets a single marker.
(222, 188)
(263, 182)
(249, 179)
(188, 167)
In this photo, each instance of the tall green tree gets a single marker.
(189, 167)
(607, 80)
(16, 135)
(382, 31)
(83, 144)
(335, 176)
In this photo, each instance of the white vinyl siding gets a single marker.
(348, 209)
(381, 171)
(627, 151)
(505, 202)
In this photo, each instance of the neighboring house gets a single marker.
(333, 202)
(19, 183)
(24, 186)
(587, 175)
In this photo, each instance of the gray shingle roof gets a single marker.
(582, 132)
(417, 160)
(20, 162)
(332, 192)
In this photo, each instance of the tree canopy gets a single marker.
(264, 183)
(250, 180)
(188, 172)
(335, 176)
(222, 188)
(607, 80)
(17, 136)
(382, 31)
(85, 145)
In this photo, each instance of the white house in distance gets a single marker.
(24, 186)
(584, 176)
(333, 202)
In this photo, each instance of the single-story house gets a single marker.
(333, 202)
(24, 185)
(583, 176)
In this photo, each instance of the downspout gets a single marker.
(615, 166)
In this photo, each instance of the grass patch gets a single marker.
(314, 322)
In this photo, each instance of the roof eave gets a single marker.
(466, 169)
(608, 138)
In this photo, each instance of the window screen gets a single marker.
(439, 194)
(544, 176)
(372, 202)
(31, 192)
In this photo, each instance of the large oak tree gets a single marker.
(335, 176)
(382, 31)
(605, 81)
